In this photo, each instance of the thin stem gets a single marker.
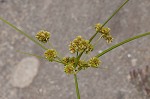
(38, 56)
(58, 54)
(75, 77)
(116, 11)
(76, 60)
(97, 40)
(123, 42)
(77, 88)
(50, 44)
(21, 32)
(58, 61)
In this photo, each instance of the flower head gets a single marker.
(108, 38)
(94, 62)
(82, 65)
(68, 60)
(69, 69)
(50, 54)
(89, 48)
(43, 36)
(79, 44)
(98, 27)
(105, 32)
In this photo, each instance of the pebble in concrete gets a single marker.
(25, 72)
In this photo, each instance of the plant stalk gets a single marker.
(77, 88)
(21, 32)
(114, 13)
(123, 42)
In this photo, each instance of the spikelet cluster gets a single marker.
(105, 32)
(94, 62)
(69, 64)
(79, 44)
(73, 65)
(43, 36)
(69, 69)
(50, 54)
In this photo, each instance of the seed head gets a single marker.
(82, 65)
(50, 54)
(98, 27)
(108, 38)
(105, 32)
(68, 60)
(94, 62)
(79, 44)
(69, 69)
(89, 48)
(43, 36)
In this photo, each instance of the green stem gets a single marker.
(77, 88)
(38, 56)
(123, 42)
(21, 32)
(58, 61)
(116, 11)
(97, 40)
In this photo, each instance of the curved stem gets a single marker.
(58, 61)
(123, 42)
(116, 11)
(38, 56)
(97, 40)
(25, 34)
(77, 88)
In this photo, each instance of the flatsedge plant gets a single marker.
(79, 46)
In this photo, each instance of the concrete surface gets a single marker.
(66, 19)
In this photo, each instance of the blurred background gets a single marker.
(27, 77)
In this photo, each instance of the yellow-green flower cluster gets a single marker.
(68, 60)
(105, 32)
(94, 62)
(69, 63)
(43, 36)
(82, 65)
(79, 44)
(70, 68)
(50, 54)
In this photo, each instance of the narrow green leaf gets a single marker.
(21, 32)
(114, 13)
(38, 56)
(123, 42)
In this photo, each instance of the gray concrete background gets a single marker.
(26, 77)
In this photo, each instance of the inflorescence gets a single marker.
(43, 36)
(79, 45)
(105, 32)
